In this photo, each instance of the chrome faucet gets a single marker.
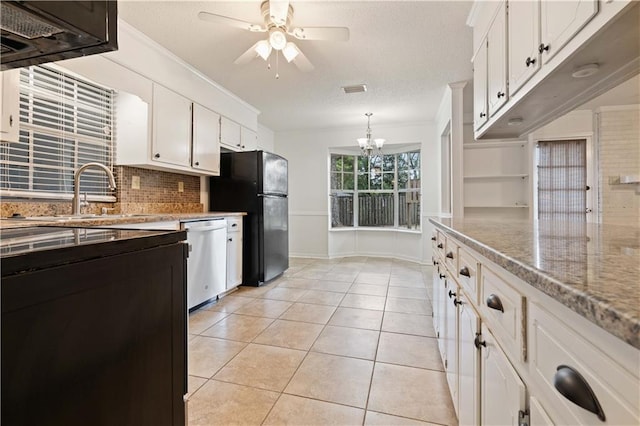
(75, 208)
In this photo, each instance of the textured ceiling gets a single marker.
(404, 51)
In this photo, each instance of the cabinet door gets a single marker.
(497, 61)
(560, 21)
(234, 259)
(10, 106)
(524, 38)
(171, 127)
(469, 371)
(451, 340)
(248, 139)
(537, 414)
(480, 87)
(503, 394)
(206, 140)
(230, 134)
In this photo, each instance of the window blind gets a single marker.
(65, 122)
(562, 180)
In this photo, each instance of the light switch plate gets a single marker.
(180, 186)
(135, 182)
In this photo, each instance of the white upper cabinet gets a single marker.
(206, 140)
(10, 105)
(560, 21)
(524, 39)
(533, 51)
(497, 61)
(230, 134)
(480, 115)
(248, 139)
(171, 139)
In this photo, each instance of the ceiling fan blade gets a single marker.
(247, 56)
(321, 33)
(219, 19)
(278, 12)
(302, 62)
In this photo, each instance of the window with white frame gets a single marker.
(65, 122)
(381, 191)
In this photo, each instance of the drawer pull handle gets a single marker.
(465, 272)
(575, 388)
(494, 302)
(440, 246)
(450, 255)
(478, 343)
(442, 275)
(433, 238)
(452, 294)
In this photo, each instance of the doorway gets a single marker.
(562, 180)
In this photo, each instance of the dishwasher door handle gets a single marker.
(206, 228)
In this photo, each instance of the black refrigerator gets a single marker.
(256, 182)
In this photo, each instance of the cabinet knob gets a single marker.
(197, 163)
(11, 120)
(433, 238)
(452, 294)
(494, 302)
(477, 342)
(435, 262)
(464, 271)
(457, 302)
(449, 255)
(501, 95)
(442, 276)
(230, 239)
(243, 146)
(543, 47)
(157, 155)
(482, 114)
(234, 225)
(440, 246)
(575, 388)
(530, 61)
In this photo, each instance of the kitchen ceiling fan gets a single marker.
(277, 15)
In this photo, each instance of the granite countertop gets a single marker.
(593, 269)
(38, 247)
(100, 220)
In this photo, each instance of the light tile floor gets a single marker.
(342, 342)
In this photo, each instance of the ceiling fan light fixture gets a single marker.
(290, 51)
(277, 39)
(263, 49)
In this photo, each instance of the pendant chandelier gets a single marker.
(370, 147)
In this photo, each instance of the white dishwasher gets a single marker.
(207, 261)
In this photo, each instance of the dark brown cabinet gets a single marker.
(97, 342)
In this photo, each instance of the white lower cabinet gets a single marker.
(502, 392)
(514, 356)
(469, 365)
(450, 337)
(234, 252)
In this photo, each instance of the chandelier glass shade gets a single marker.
(369, 146)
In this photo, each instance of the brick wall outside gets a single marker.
(619, 152)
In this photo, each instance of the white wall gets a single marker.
(308, 155)
(266, 138)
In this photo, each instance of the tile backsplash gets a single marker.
(154, 192)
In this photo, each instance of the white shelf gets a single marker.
(496, 176)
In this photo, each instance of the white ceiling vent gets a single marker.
(358, 88)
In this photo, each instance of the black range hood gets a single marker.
(35, 32)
